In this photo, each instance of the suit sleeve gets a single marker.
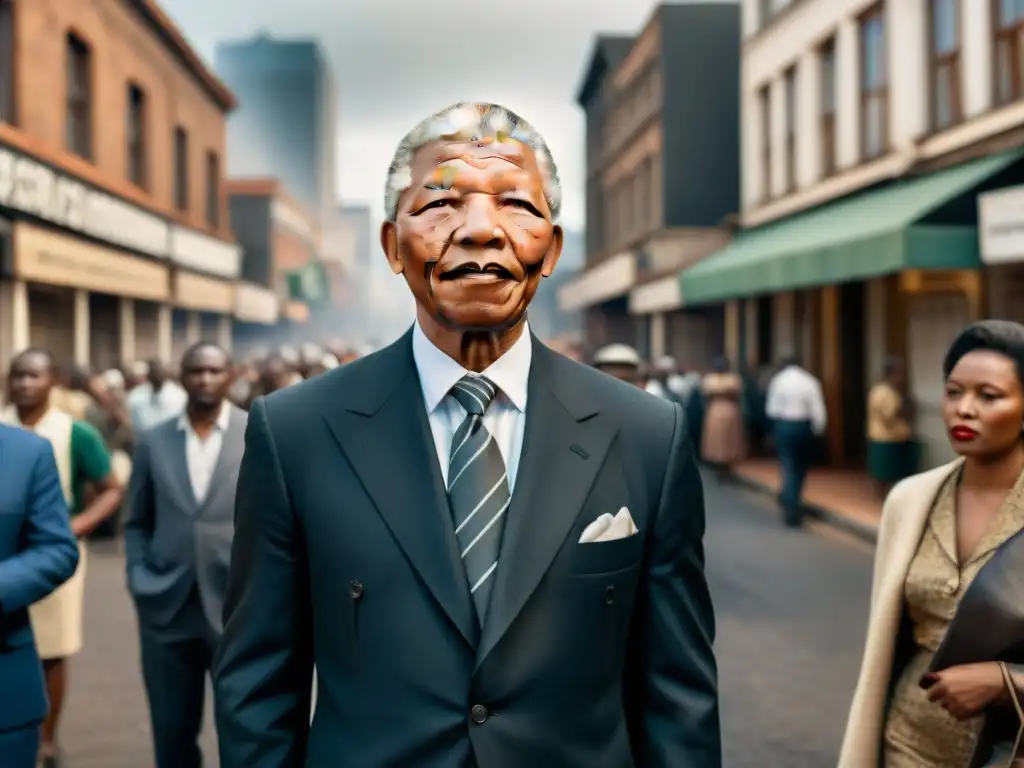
(49, 552)
(264, 666)
(139, 510)
(671, 675)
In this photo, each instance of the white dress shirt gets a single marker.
(201, 455)
(505, 418)
(795, 395)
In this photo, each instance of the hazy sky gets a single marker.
(396, 61)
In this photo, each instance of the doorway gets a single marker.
(852, 360)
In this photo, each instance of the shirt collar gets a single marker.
(439, 373)
(221, 424)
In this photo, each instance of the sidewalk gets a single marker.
(843, 498)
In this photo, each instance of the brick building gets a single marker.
(114, 232)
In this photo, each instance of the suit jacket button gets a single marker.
(479, 713)
(355, 590)
(609, 595)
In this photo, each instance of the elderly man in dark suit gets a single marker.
(491, 554)
(38, 553)
(180, 510)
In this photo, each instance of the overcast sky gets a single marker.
(396, 61)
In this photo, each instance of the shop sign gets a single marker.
(43, 256)
(203, 293)
(1001, 225)
(256, 304)
(203, 253)
(309, 284)
(32, 188)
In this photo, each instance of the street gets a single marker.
(791, 610)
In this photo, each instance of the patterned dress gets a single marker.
(918, 733)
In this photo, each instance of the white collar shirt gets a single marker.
(201, 455)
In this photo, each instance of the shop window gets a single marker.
(790, 82)
(79, 97)
(945, 63)
(765, 99)
(874, 85)
(828, 108)
(1008, 16)
(180, 169)
(7, 61)
(136, 132)
(212, 189)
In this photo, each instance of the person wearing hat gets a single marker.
(621, 361)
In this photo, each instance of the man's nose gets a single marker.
(480, 227)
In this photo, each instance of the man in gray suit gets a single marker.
(180, 523)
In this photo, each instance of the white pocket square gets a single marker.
(608, 528)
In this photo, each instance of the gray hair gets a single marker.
(469, 121)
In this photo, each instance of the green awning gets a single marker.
(875, 233)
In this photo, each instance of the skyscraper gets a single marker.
(285, 124)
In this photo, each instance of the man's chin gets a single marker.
(479, 318)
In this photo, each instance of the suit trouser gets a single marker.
(19, 748)
(793, 441)
(174, 671)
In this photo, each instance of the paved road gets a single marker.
(790, 605)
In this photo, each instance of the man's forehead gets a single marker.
(479, 154)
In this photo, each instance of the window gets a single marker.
(6, 61)
(945, 63)
(765, 99)
(180, 169)
(828, 108)
(212, 189)
(79, 97)
(791, 118)
(136, 133)
(874, 91)
(1008, 16)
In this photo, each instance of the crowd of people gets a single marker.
(100, 424)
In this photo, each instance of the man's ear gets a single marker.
(554, 252)
(389, 244)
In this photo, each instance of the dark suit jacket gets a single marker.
(175, 546)
(593, 655)
(38, 553)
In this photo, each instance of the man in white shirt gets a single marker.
(491, 554)
(178, 530)
(796, 407)
(156, 400)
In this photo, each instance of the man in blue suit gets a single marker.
(38, 553)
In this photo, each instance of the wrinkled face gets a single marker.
(983, 405)
(473, 236)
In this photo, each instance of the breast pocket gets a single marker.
(604, 557)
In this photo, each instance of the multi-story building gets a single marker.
(869, 130)
(662, 149)
(347, 256)
(284, 127)
(281, 274)
(113, 223)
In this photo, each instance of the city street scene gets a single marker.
(587, 384)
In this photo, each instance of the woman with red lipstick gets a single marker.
(939, 683)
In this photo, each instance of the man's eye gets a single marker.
(435, 204)
(522, 204)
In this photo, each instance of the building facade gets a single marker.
(114, 231)
(870, 131)
(281, 242)
(663, 177)
(285, 127)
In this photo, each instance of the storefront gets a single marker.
(257, 312)
(601, 292)
(55, 276)
(895, 270)
(209, 304)
(1001, 233)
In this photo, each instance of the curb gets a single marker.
(863, 531)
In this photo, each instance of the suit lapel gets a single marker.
(384, 433)
(564, 446)
(179, 466)
(230, 456)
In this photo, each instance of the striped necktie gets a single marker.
(478, 491)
